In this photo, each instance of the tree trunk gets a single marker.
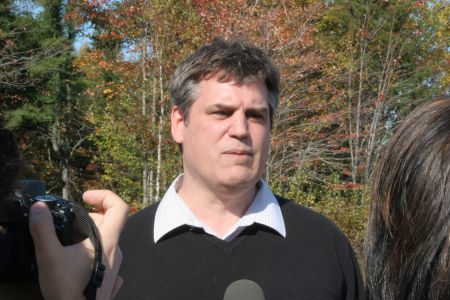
(160, 129)
(146, 199)
(65, 178)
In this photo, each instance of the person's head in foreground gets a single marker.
(408, 240)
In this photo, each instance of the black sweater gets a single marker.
(314, 261)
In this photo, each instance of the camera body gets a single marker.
(17, 260)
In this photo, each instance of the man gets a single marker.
(219, 223)
(64, 272)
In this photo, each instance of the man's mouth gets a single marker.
(239, 152)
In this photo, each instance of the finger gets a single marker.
(43, 232)
(115, 213)
(103, 199)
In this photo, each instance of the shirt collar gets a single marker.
(172, 213)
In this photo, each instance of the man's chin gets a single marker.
(240, 181)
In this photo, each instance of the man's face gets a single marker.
(227, 134)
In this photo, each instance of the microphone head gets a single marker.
(244, 289)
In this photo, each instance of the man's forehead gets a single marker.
(222, 94)
(233, 81)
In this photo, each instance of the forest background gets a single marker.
(97, 115)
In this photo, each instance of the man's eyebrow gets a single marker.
(261, 109)
(219, 106)
(226, 106)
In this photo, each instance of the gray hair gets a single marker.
(231, 60)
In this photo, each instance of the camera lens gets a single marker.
(47, 199)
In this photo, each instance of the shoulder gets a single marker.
(308, 229)
(139, 224)
(303, 224)
(143, 215)
(296, 214)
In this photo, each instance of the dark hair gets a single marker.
(232, 60)
(408, 240)
(10, 163)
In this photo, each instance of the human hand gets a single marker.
(110, 220)
(64, 271)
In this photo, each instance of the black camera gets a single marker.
(17, 259)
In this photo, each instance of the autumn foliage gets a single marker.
(351, 70)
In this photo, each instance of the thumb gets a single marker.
(42, 229)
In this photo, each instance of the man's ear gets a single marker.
(177, 124)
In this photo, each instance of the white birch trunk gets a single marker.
(160, 131)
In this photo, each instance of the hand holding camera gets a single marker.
(70, 266)
(67, 260)
(49, 240)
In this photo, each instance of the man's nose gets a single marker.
(239, 126)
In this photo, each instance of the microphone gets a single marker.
(244, 289)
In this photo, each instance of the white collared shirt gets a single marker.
(173, 212)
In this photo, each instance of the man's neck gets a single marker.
(218, 209)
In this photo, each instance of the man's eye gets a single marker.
(221, 113)
(257, 116)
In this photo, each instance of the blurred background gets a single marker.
(84, 87)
